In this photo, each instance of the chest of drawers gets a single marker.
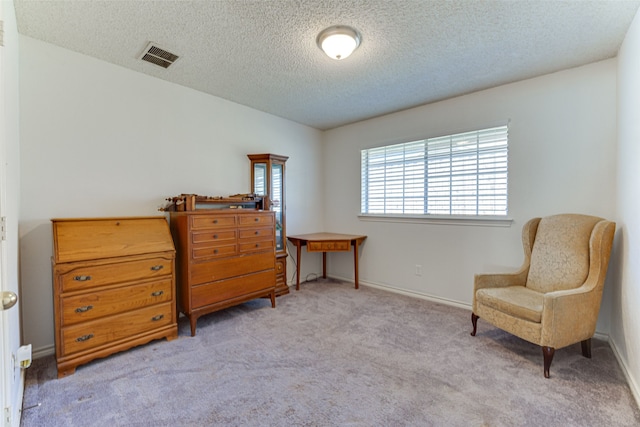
(113, 286)
(224, 257)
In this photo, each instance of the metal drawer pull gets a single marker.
(84, 309)
(157, 293)
(158, 317)
(257, 233)
(84, 338)
(82, 278)
(157, 267)
(257, 245)
(215, 251)
(257, 219)
(215, 236)
(215, 221)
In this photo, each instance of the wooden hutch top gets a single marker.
(192, 202)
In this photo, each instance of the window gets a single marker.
(461, 174)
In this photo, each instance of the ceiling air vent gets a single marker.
(158, 56)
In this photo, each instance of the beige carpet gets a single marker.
(330, 355)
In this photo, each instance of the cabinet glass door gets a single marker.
(276, 203)
(260, 179)
(268, 181)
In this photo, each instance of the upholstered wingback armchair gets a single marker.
(554, 299)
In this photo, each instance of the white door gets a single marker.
(11, 376)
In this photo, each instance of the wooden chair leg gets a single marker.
(474, 322)
(586, 348)
(547, 353)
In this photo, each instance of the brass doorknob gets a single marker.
(9, 299)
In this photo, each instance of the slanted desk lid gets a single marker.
(93, 238)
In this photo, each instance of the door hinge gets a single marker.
(3, 228)
(7, 416)
(1, 33)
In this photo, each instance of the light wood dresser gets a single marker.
(225, 257)
(113, 286)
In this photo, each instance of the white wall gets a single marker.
(562, 158)
(625, 320)
(101, 140)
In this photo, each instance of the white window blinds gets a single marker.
(461, 174)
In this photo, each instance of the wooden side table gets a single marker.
(326, 242)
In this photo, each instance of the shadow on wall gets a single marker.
(614, 286)
(36, 291)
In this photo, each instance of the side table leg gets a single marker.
(355, 261)
(298, 253)
(324, 265)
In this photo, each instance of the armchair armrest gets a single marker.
(499, 280)
(569, 316)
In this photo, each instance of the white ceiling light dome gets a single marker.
(338, 41)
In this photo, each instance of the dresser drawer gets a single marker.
(256, 219)
(214, 251)
(91, 306)
(90, 276)
(92, 334)
(256, 245)
(256, 233)
(203, 272)
(213, 236)
(212, 221)
(332, 246)
(235, 287)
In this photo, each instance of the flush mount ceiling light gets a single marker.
(338, 41)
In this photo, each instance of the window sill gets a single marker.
(486, 221)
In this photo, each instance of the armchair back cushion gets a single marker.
(560, 256)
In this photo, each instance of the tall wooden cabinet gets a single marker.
(225, 257)
(268, 181)
(113, 286)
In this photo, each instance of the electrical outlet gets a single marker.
(418, 270)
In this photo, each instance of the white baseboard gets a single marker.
(602, 336)
(633, 384)
(45, 351)
(433, 298)
(420, 295)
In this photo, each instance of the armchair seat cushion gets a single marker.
(516, 301)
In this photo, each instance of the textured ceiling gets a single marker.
(263, 53)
